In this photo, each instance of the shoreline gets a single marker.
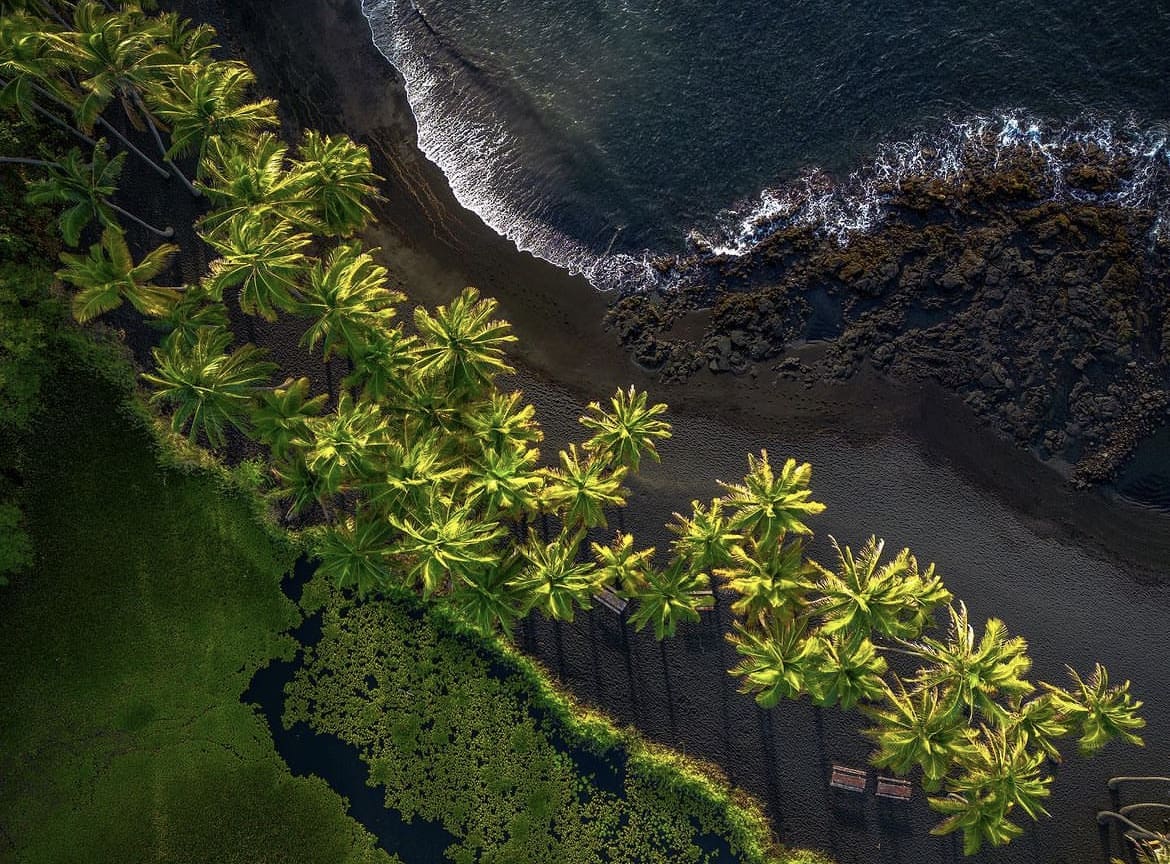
(303, 50)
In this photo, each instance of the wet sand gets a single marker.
(1077, 574)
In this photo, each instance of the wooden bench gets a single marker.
(849, 779)
(895, 788)
(611, 600)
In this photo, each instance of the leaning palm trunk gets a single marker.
(162, 148)
(168, 231)
(122, 139)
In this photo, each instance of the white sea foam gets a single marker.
(485, 166)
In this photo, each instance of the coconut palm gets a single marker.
(487, 599)
(247, 177)
(1039, 722)
(622, 565)
(504, 482)
(335, 179)
(347, 298)
(848, 670)
(382, 360)
(108, 275)
(462, 344)
(347, 445)
(280, 418)
(771, 578)
(668, 597)
(768, 505)
(415, 466)
(443, 543)
(917, 729)
(209, 100)
(1103, 713)
(554, 580)
(776, 660)
(83, 188)
(261, 259)
(623, 434)
(186, 42)
(581, 489)
(353, 552)
(704, 538)
(503, 420)
(192, 312)
(974, 672)
(299, 486)
(863, 595)
(208, 388)
(999, 774)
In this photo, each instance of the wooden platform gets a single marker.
(895, 788)
(611, 600)
(849, 779)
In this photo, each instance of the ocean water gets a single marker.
(599, 133)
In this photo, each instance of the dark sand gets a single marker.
(1078, 574)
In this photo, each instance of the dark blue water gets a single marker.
(592, 129)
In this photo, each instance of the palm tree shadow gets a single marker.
(670, 713)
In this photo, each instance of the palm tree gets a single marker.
(504, 482)
(1102, 712)
(209, 101)
(767, 505)
(776, 660)
(382, 360)
(620, 564)
(971, 672)
(554, 580)
(704, 538)
(1038, 722)
(622, 435)
(918, 729)
(347, 299)
(208, 388)
(280, 418)
(84, 189)
(581, 489)
(354, 552)
(771, 579)
(192, 312)
(487, 598)
(187, 43)
(298, 485)
(668, 597)
(502, 421)
(443, 543)
(999, 774)
(247, 178)
(335, 178)
(346, 445)
(848, 670)
(415, 469)
(893, 599)
(108, 274)
(462, 344)
(263, 260)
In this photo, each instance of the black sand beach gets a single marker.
(1079, 575)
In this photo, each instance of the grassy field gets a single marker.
(153, 599)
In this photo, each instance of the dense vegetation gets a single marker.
(417, 472)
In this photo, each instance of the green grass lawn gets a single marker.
(153, 599)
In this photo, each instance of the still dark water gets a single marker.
(593, 130)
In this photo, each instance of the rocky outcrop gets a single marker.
(1047, 313)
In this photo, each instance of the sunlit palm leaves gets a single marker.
(1102, 712)
(669, 597)
(770, 578)
(261, 259)
(108, 275)
(864, 595)
(335, 180)
(623, 434)
(622, 565)
(582, 488)
(504, 482)
(202, 102)
(248, 178)
(344, 446)
(279, 419)
(917, 729)
(347, 299)
(443, 543)
(776, 659)
(207, 388)
(82, 189)
(847, 670)
(503, 420)
(463, 344)
(554, 580)
(767, 504)
(354, 553)
(704, 538)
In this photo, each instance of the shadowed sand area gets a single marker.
(1080, 576)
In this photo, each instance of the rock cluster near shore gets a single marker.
(1049, 314)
